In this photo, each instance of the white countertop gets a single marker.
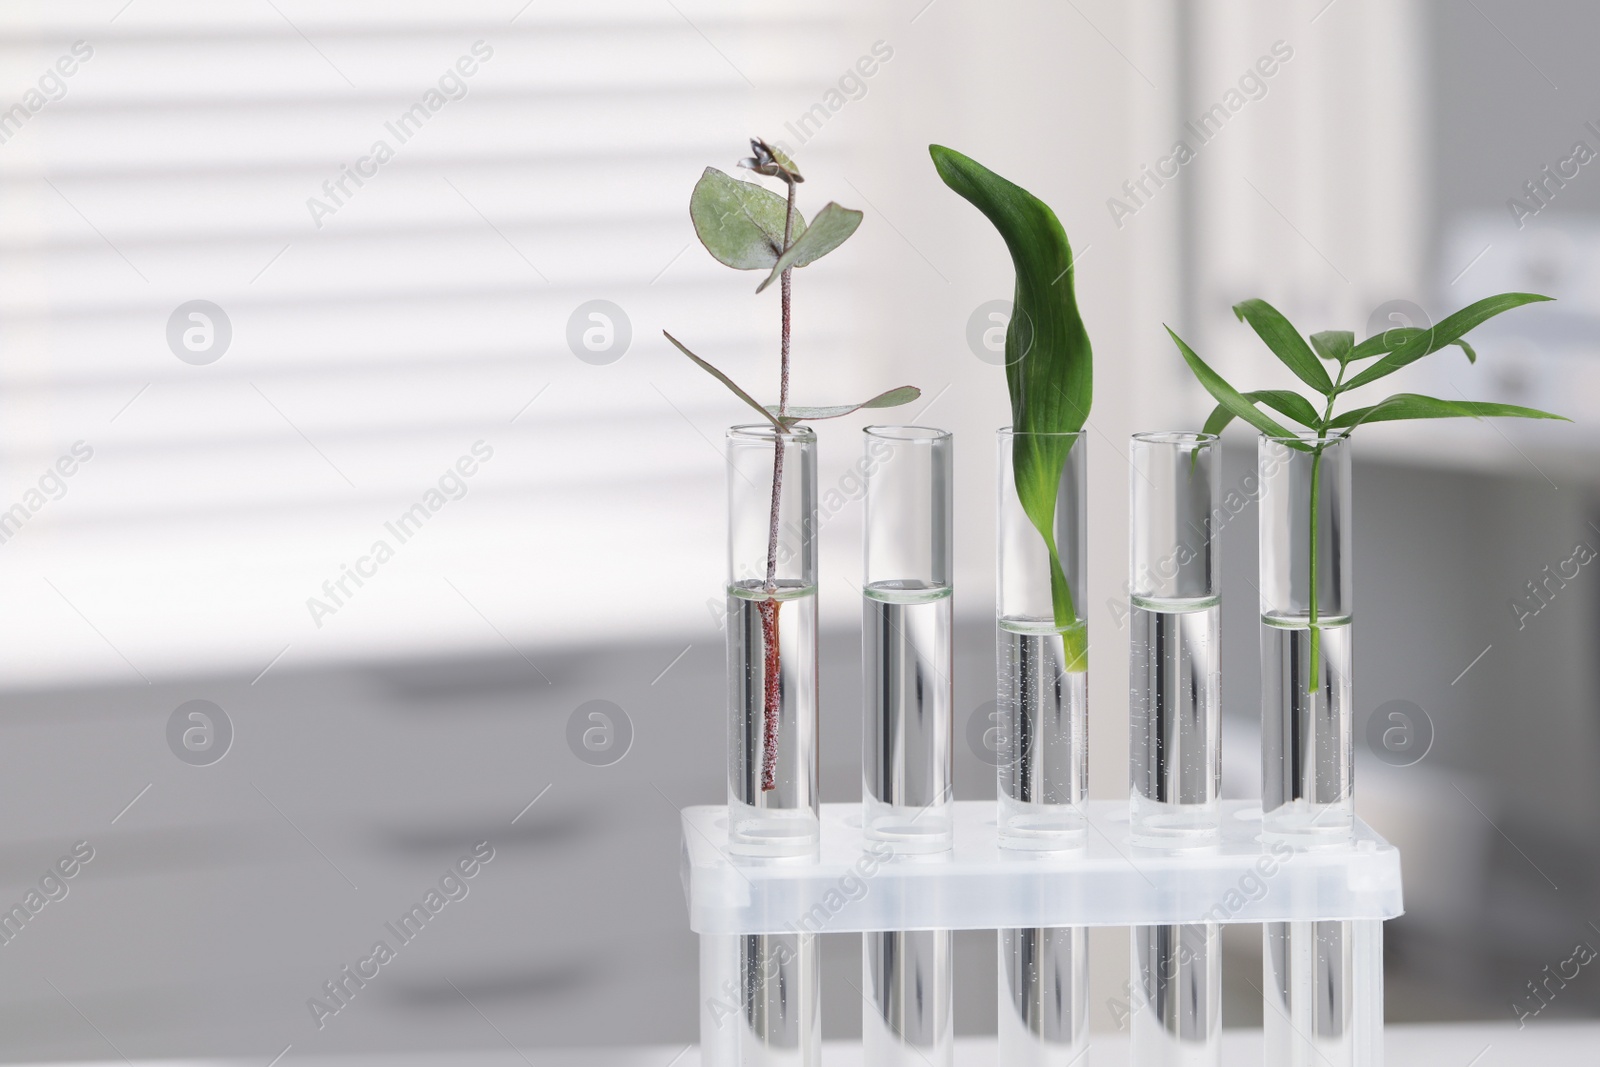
(1540, 1044)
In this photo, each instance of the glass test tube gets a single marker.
(1174, 706)
(906, 638)
(908, 728)
(1307, 758)
(1174, 730)
(760, 998)
(1042, 711)
(771, 979)
(772, 592)
(1310, 969)
(1323, 993)
(1042, 638)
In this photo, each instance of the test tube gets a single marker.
(1041, 634)
(907, 744)
(1174, 730)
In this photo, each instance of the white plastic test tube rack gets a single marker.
(853, 886)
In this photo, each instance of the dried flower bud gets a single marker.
(771, 162)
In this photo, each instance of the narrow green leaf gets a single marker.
(729, 382)
(1286, 343)
(1334, 345)
(1420, 343)
(1387, 341)
(740, 223)
(1236, 403)
(1218, 420)
(1289, 404)
(829, 229)
(893, 398)
(1049, 361)
(1407, 406)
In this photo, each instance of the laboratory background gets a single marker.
(376, 459)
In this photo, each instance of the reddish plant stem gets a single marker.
(771, 690)
(783, 283)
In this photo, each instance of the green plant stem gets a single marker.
(1316, 531)
(1316, 633)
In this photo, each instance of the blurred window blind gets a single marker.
(398, 209)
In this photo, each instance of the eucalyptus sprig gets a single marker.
(1049, 361)
(1310, 362)
(746, 226)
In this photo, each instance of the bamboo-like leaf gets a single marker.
(733, 386)
(1334, 345)
(740, 223)
(1051, 379)
(891, 398)
(1286, 403)
(829, 229)
(1398, 347)
(1407, 406)
(1387, 341)
(1226, 395)
(1419, 343)
(1286, 343)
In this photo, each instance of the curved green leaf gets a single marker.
(1387, 341)
(892, 398)
(733, 386)
(740, 223)
(829, 229)
(1407, 406)
(1416, 343)
(1236, 403)
(1218, 420)
(1049, 370)
(1286, 343)
(1287, 403)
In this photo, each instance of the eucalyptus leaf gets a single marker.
(729, 382)
(1286, 343)
(829, 229)
(1334, 345)
(1448, 332)
(740, 223)
(1049, 369)
(1407, 406)
(892, 398)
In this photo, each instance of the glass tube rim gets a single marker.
(1305, 436)
(907, 434)
(1198, 438)
(765, 431)
(1010, 432)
